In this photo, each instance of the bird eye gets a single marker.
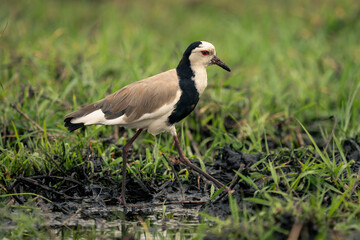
(205, 53)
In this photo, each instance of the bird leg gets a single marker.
(187, 162)
(126, 149)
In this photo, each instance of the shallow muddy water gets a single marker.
(139, 223)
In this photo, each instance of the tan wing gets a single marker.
(138, 98)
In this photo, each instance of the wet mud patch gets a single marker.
(87, 195)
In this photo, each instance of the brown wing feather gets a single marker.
(138, 98)
(133, 100)
(82, 112)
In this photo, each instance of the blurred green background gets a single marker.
(288, 58)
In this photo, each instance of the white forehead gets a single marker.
(206, 45)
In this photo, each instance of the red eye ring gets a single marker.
(205, 53)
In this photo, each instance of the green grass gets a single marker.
(321, 197)
(292, 62)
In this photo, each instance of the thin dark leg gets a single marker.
(126, 149)
(186, 161)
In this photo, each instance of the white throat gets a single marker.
(200, 78)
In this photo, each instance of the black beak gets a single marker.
(217, 61)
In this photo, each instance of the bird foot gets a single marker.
(185, 160)
(228, 190)
(122, 200)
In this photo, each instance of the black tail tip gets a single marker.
(72, 126)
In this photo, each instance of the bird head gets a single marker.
(203, 54)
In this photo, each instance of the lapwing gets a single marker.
(154, 104)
